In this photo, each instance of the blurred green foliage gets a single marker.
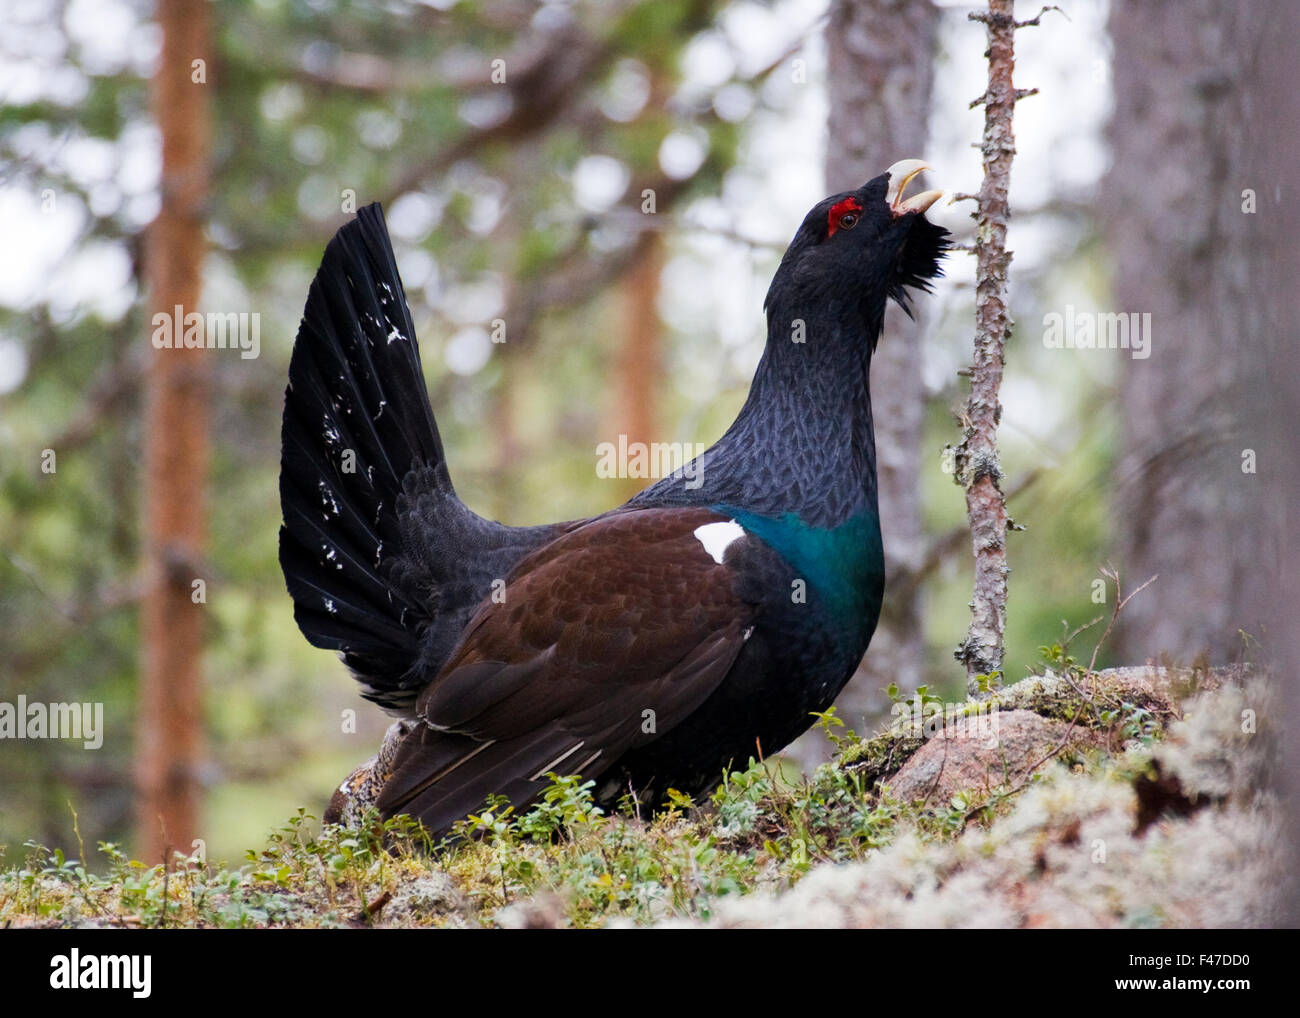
(311, 102)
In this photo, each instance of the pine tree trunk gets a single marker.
(639, 369)
(1187, 253)
(1272, 393)
(169, 733)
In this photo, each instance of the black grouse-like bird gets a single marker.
(697, 625)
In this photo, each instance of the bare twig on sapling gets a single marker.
(977, 468)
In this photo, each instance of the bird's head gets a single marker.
(859, 248)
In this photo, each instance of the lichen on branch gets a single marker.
(978, 469)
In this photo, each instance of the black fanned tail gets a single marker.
(357, 423)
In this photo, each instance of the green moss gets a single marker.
(758, 831)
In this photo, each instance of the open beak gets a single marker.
(900, 175)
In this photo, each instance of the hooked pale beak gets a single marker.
(900, 175)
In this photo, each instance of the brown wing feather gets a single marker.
(626, 615)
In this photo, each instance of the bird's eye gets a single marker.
(843, 215)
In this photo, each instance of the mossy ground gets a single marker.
(564, 863)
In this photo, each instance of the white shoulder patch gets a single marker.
(717, 537)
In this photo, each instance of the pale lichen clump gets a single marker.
(1068, 854)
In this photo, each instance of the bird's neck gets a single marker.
(804, 441)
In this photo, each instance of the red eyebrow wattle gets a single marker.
(837, 210)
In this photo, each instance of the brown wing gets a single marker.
(603, 640)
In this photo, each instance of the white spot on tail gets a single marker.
(717, 537)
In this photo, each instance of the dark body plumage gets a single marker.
(649, 647)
